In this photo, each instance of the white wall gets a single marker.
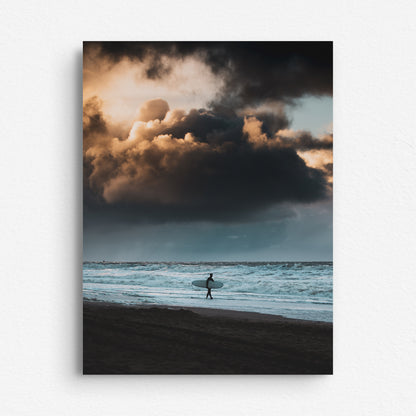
(40, 206)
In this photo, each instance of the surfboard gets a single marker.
(211, 285)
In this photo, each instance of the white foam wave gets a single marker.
(301, 290)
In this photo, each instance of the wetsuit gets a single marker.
(210, 279)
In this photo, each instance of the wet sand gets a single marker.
(121, 339)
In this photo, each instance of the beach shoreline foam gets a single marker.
(163, 339)
(295, 290)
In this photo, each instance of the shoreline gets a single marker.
(124, 339)
(213, 312)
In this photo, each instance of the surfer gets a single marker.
(210, 279)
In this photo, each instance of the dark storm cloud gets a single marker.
(254, 72)
(93, 122)
(305, 141)
(329, 167)
(272, 122)
(201, 165)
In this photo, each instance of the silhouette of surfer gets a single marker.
(210, 279)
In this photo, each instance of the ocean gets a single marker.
(301, 290)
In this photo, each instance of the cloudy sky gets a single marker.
(207, 151)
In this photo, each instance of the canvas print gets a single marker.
(207, 205)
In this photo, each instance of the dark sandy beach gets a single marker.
(122, 339)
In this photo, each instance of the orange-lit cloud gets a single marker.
(222, 147)
(252, 72)
(192, 160)
(124, 86)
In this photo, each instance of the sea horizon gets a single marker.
(207, 261)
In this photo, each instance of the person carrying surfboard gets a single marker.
(210, 279)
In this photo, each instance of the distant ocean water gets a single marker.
(300, 290)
